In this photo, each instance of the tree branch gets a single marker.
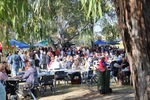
(77, 33)
(51, 42)
(68, 21)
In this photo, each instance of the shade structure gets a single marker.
(45, 43)
(24, 45)
(100, 42)
(38, 45)
(13, 42)
(113, 42)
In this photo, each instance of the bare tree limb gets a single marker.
(78, 32)
(68, 21)
(51, 42)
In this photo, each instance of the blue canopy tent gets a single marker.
(24, 45)
(100, 42)
(18, 44)
(113, 42)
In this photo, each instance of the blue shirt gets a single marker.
(15, 60)
(2, 92)
(30, 75)
(105, 64)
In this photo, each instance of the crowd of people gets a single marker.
(83, 59)
(44, 57)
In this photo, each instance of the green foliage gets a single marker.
(13, 13)
(106, 8)
(97, 9)
(92, 9)
(34, 20)
(111, 32)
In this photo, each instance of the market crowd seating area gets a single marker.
(68, 65)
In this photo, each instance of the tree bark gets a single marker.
(134, 22)
(51, 43)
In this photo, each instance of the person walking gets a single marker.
(15, 61)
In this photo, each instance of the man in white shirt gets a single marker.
(56, 65)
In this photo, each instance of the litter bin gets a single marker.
(104, 82)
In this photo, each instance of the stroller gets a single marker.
(90, 78)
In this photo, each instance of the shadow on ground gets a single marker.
(119, 93)
(77, 92)
(60, 90)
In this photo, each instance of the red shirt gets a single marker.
(101, 66)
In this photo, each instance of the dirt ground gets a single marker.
(77, 92)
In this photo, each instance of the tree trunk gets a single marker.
(60, 30)
(134, 22)
(52, 45)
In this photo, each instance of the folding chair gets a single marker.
(61, 75)
(47, 80)
(28, 89)
(11, 88)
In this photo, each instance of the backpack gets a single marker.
(113, 69)
(112, 65)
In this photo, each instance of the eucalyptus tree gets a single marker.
(107, 27)
(12, 17)
(38, 19)
(134, 24)
(110, 32)
(18, 18)
(133, 19)
(65, 19)
(107, 24)
(22, 19)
